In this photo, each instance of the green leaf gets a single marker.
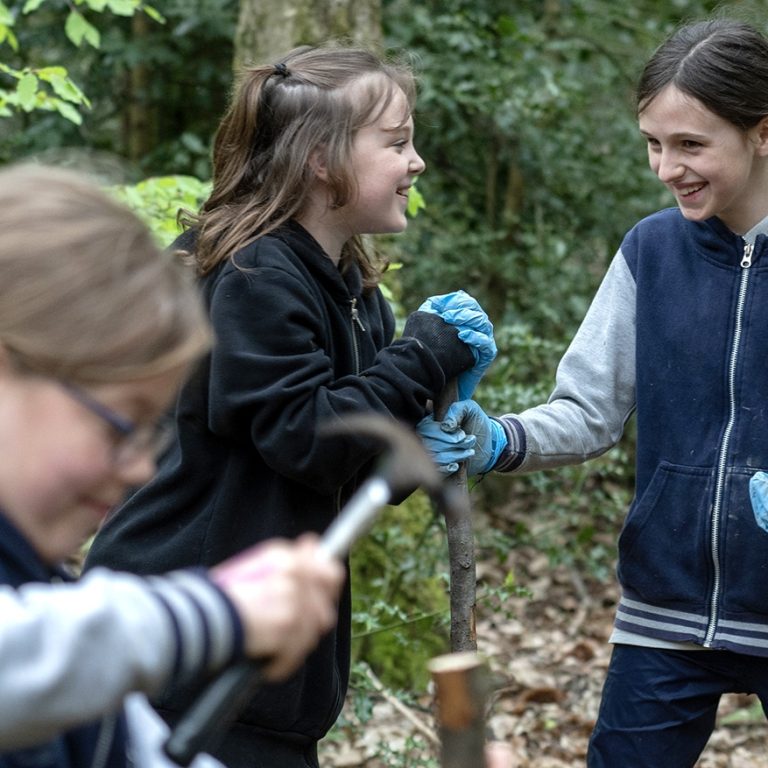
(7, 34)
(67, 110)
(153, 14)
(415, 201)
(46, 73)
(31, 5)
(157, 200)
(122, 7)
(74, 28)
(6, 17)
(63, 85)
(77, 29)
(26, 91)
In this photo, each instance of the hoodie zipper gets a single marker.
(356, 326)
(717, 506)
(104, 742)
(355, 323)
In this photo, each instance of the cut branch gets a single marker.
(461, 547)
(461, 689)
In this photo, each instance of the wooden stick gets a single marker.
(461, 689)
(461, 547)
(412, 718)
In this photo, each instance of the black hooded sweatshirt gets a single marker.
(298, 344)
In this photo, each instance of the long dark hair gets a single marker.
(723, 63)
(279, 115)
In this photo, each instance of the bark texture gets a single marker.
(461, 548)
(268, 28)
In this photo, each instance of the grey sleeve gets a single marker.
(70, 653)
(594, 392)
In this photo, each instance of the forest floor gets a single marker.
(548, 661)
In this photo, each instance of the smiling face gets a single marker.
(360, 184)
(58, 479)
(385, 165)
(711, 167)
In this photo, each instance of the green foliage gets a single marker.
(415, 201)
(399, 597)
(42, 88)
(153, 89)
(50, 88)
(752, 715)
(158, 200)
(364, 688)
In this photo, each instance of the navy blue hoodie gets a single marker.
(678, 332)
(97, 745)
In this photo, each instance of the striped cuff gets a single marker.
(208, 630)
(514, 452)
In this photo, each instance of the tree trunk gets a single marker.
(139, 122)
(268, 28)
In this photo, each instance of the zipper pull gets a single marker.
(746, 259)
(356, 315)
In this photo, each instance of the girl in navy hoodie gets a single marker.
(678, 336)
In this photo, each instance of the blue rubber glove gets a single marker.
(475, 330)
(758, 494)
(469, 417)
(446, 449)
(465, 434)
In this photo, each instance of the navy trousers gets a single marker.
(659, 706)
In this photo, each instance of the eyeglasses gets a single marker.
(130, 440)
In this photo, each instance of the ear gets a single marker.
(318, 163)
(761, 137)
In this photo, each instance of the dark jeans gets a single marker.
(659, 706)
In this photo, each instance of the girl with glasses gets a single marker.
(97, 332)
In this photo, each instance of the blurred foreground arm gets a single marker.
(69, 653)
(286, 595)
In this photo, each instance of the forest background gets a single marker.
(535, 169)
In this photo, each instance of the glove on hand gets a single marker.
(468, 416)
(442, 340)
(475, 329)
(446, 449)
(758, 494)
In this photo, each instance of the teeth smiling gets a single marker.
(691, 190)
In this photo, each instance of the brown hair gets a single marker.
(280, 115)
(722, 62)
(86, 295)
